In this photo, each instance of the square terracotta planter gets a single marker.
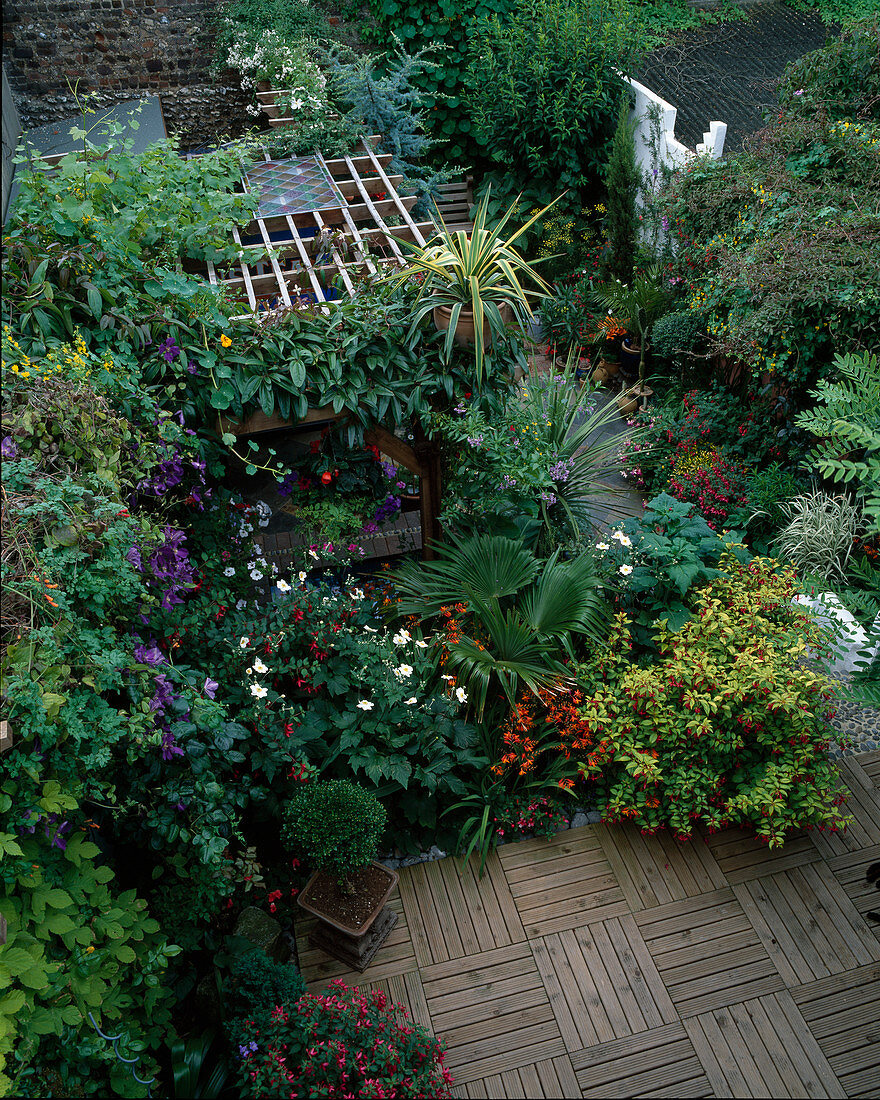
(354, 944)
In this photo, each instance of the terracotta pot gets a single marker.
(465, 330)
(610, 366)
(600, 375)
(634, 398)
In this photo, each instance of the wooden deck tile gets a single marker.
(658, 869)
(808, 925)
(859, 774)
(602, 983)
(396, 955)
(406, 989)
(707, 953)
(851, 872)
(762, 1047)
(843, 1014)
(561, 883)
(493, 1012)
(553, 1078)
(870, 765)
(453, 913)
(742, 856)
(661, 1062)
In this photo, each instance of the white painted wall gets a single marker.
(670, 150)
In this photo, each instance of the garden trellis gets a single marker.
(319, 221)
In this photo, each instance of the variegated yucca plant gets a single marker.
(479, 273)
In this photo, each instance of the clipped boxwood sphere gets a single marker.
(335, 826)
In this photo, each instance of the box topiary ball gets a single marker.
(335, 826)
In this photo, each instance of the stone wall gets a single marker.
(120, 49)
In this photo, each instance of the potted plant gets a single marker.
(472, 284)
(335, 826)
(642, 302)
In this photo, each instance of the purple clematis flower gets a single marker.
(210, 688)
(8, 448)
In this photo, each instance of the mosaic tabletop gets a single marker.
(292, 186)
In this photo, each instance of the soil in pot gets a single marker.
(352, 910)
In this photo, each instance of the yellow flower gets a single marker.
(225, 341)
(90, 949)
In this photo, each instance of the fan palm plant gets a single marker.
(478, 274)
(642, 302)
(520, 619)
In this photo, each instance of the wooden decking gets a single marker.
(604, 963)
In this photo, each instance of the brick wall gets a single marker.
(120, 49)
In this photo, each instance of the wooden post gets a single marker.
(423, 460)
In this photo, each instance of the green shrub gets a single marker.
(726, 727)
(334, 826)
(256, 985)
(622, 182)
(842, 78)
(654, 564)
(543, 89)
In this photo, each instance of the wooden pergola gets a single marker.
(330, 222)
(321, 222)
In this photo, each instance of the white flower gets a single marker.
(357, 593)
(602, 546)
(229, 572)
(626, 570)
(371, 629)
(258, 691)
(461, 695)
(259, 666)
(244, 642)
(448, 679)
(256, 575)
(402, 637)
(249, 671)
(625, 540)
(313, 555)
(282, 586)
(411, 702)
(420, 644)
(302, 575)
(240, 605)
(403, 672)
(365, 704)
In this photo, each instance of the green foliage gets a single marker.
(842, 78)
(654, 564)
(519, 617)
(725, 728)
(98, 243)
(198, 1072)
(543, 89)
(622, 182)
(75, 944)
(843, 12)
(334, 826)
(638, 305)
(355, 357)
(537, 466)
(678, 335)
(385, 100)
(846, 422)
(802, 196)
(480, 273)
(450, 25)
(819, 533)
(255, 986)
